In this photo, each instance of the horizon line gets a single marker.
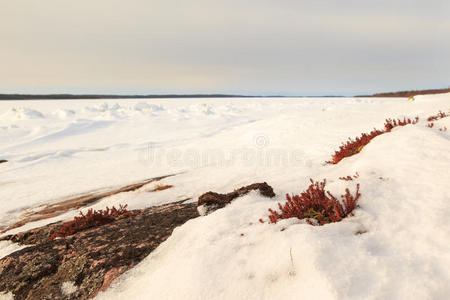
(62, 96)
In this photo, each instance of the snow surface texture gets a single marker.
(6, 296)
(68, 287)
(57, 149)
(7, 247)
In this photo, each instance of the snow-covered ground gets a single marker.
(57, 149)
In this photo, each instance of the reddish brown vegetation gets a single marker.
(438, 116)
(349, 178)
(355, 146)
(316, 205)
(390, 124)
(91, 219)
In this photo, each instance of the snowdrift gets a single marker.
(395, 246)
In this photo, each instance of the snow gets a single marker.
(7, 247)
(68, 287)
(6, 296)
(57, 149)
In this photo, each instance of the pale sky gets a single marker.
(289, 47)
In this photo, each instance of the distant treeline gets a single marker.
(409, 93)
(71, 96)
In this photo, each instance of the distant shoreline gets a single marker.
(411, 93)
(96, 96)
(399, 94)
(170, 96)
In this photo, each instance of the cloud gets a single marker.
(285, 46)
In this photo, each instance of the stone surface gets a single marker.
(81, 265)
(58, 208)
(89, 259)
(211, 201)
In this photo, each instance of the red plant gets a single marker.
(430, 125)
(91, 219)
(390, 124)
(438, 116)
(355, 146)
(316, 204)
(349, 178)
(443, 129)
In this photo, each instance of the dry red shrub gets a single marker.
(390, 124)
(349, 178)
(430, 125)
(316, 205)
(355, 146)
(438, 116)
(91, 219)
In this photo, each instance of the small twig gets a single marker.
(292, 272)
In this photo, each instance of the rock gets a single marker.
(81, 265)
(211, 201)
(58, 208)
(88, 261)
(3, 161)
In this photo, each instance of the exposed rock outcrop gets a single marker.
(58, 208)
(211, 201)
(87, 261)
